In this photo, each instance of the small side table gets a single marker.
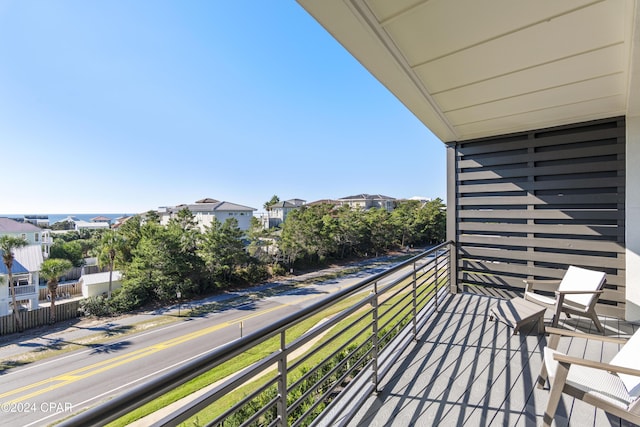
(517, 312)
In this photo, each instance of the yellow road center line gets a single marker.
(90, 370)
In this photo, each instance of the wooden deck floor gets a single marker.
(468, 371)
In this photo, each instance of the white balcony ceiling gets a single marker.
(470, 69)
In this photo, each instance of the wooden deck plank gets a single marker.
(466, 370)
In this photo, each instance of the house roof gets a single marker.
(367, 197)
(101, 219)
(95, 278)
(16, 268)
(29, 256)
(470, 69)
(322, 202)
(91, 225)
(211, 206)
(8, 225)
(283, 205)
(227, 206)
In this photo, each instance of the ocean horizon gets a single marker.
(53, 218)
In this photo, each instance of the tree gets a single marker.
(51, 270)
(351, 231)
(261, 241)
(379, 230)
(110, 245)
(274, 199)
(222, 249)
(431, 222)
(131, 233)
(403, 218)
(7, 245)
(308, 233)
(71, 251)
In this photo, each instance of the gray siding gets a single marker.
(528, 205)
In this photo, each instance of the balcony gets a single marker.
(468, 371)
(25, 290)
(403, 351)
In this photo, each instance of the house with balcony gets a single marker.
(205, 211)
(538, 104)
(368, 201)
(26, 265)
(277, 212)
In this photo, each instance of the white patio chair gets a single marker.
(613, 387)
(577, 293)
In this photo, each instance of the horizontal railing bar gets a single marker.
(235, 408)
(340, 333)
(339, 381)
(206, 399)
(338, 350)
(299, 342)
(365, 329)
(261, 411)
(393, 316)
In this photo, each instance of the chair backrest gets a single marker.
(581, 279)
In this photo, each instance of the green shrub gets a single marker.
(97, 306)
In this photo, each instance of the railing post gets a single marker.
(415, 303)
(282, 383)
(374, 339)
(453, 268)
(436, 278)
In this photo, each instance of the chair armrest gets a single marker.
(563, 358)
(575, 334)
(530, 284)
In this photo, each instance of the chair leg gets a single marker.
(555, 394)
(595, 319)
(556, 314)
(542, 376)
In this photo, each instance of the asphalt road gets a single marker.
(42, 392)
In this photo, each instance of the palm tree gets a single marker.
(110, 244)
(52, 269)
(274, 199)
(7, 245)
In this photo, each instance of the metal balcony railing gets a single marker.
(319, 376)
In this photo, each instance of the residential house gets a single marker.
(277, 213)
(90, 225)
(207, 210)
(26, 265)
(120, 220)
(39, 220)
(101, 218)
(368, 201)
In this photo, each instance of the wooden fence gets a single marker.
(67, 290)
(40, 317)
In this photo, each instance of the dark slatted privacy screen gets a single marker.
(529, 205)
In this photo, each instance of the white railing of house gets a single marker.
(24, 290)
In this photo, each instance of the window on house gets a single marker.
(24, 236)
(37, 237)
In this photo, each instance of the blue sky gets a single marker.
(125, 106)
